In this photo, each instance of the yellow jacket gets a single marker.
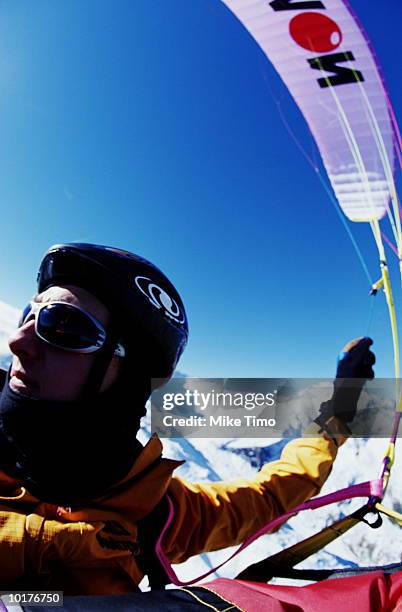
(93, 550)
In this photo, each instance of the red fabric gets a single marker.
(373, 592)
(395, 593)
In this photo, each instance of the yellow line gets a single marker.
(208, 605)
(396, 516)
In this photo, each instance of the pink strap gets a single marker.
(372, 488)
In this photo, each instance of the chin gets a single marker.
(20, 388)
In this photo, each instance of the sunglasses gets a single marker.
(67, 327)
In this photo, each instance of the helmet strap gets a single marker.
(101, 364)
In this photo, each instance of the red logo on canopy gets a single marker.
(315, 32)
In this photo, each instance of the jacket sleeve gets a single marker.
(32, 543)
(210, 516)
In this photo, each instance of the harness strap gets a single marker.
(283, 561)
(148, 531)
(371, 489)
(3, 378)
(322, 574)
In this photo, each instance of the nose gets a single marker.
(24, 341)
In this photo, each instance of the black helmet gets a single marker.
(146, 308)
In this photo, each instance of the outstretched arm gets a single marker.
(210, 516)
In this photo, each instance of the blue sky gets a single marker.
(152, 127)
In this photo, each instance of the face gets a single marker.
(42, 371)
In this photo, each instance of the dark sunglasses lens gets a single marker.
(24, 314)
(67, 327)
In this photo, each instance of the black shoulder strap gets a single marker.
(149, 529)
(3, 376)
(281, 571)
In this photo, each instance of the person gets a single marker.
(80, 498)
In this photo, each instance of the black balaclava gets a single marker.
(69, 453)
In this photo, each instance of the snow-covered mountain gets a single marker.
(226, 459)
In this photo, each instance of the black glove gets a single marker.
(355, 366)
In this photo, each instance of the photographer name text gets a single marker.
(246, 420)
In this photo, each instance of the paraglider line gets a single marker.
(353, 146)
(390, 244)
(374, 223)
(316, 169)
(370, 317)
(288, 128)
(388, 170)
(396, 132)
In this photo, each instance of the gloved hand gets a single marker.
(355, 366)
